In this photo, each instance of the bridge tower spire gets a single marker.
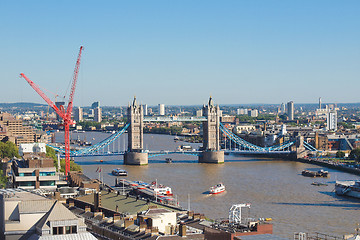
(135, 154)
(211, 134)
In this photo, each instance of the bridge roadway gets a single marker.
(194, 153)
(174, 119)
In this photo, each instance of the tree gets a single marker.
(3, 179)
(50, 152)
(340, 154)
(355, 154)
(73, 166)
(8, 150)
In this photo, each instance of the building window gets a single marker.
(58, 230)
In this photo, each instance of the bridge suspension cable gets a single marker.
(251, 146)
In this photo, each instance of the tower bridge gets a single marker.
(211, 152)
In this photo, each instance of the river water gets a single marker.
(275, 188)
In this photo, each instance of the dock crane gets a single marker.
(65, 114)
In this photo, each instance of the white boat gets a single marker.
(161, 189)
(219, 188)
(348, 188)
(119, 172)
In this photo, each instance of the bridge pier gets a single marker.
(136, 158)
(211, 135)
(212, 157)
(135, 155)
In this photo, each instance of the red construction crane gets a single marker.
(64, 114)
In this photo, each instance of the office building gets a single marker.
(78, 114)
(319, 102)
(161, 109)
(290, 110)
(145, 108)
(13, 130)
(95, 105)
(331, 120)
(34, 171)
(97, 114)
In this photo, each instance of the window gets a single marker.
(58, 230)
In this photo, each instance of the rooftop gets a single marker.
(125, 205)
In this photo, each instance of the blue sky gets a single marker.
(180, 52)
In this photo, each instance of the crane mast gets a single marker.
(64, 114)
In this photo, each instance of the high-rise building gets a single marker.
(78, 114)
(162, 109)
(242, 111)
(253, 113)
(331, 121)
(145, 107)
(95, 105)
(283, 108)
(290, 110)
(319, 102)
(97, 114)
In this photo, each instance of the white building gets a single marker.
(145, 107)
(242, 111)
(78, 114)
(161, 218)
(290, 110)
(32, 148)
(97, 114)
(331, 121)
(253, 113)
(162, 109)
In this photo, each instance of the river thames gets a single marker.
(275, 188)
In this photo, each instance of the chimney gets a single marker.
(71, 203)
(182, 230)
(97, 200)
(87, 209)
(116, 217)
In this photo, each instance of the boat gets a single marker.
(320, 173)
(348, 188)
(176, 138)
(168, 160)
(161, 189)
(119, 172)
(318, 184)
(219, 188)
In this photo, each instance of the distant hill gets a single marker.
(21, 105)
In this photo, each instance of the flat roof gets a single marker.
(125, 205)
(17, 194)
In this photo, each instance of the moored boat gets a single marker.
(168, 160)
(348, 188)
(219, 188)
(119, 172)
(320, 173)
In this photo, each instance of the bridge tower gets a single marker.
(135, 154)
(211, 135)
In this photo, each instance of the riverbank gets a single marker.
(330, 164)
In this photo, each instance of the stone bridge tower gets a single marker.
(135, 155)
(211, 135)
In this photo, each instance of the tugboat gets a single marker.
(119, 172)
(219, 188)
